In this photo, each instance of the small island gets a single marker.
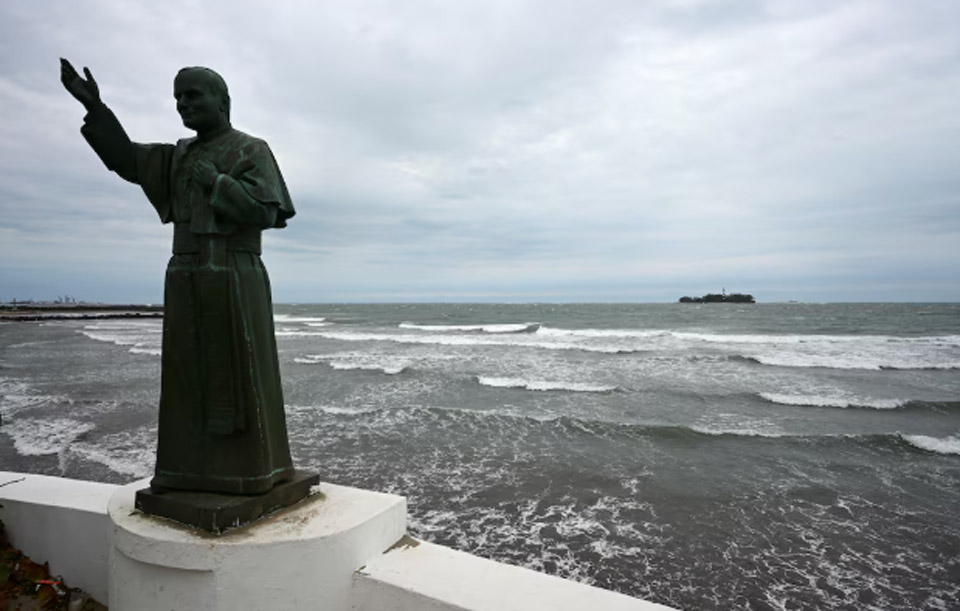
(720, 298)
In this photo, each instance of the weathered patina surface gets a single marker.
(221, 422)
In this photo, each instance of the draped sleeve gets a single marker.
(153, 171)
(147, 165)
(254, 178)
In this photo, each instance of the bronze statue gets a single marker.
(222, 427)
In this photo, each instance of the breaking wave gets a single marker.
(35, 437)
(841, 401)
(603, 333)
(527, 327)
(543, 385)
(939, 445)
(356, 362)
(793, 351)
(291, 318)
(714, 432)
(515, 339)
(874, 362)
(141, 337)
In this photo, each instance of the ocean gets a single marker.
(704, 456)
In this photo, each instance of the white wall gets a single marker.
(66, 523)
(60, 521)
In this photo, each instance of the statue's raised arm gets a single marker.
(87, 92)
(101, 128)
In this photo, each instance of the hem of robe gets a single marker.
(224, 485)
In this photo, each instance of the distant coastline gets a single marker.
(34, 311)
(720, 298)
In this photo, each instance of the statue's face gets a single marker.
(200, 107)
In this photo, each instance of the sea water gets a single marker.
(706, 456)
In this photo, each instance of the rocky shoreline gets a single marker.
(84, 311)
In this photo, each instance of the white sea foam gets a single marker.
(949, 340)
(545, 529)
(294, 333)
(143, 338)
(602, 333)
(543, 385)
(307, 360)
(33, 437)
(838, 400)
(813, 351)
(487, 328)
(739, 432)
(16, 395)
(135, 462)
(387, 369)
(291, 318)
(871, 352)
(296, 410)
(736, 424)
(940, 445)
(519, 340)
(128, 453)
(349, 411)
(116, 338)
(875, 360)
(150, 351)
(25, 344)
(350, 361)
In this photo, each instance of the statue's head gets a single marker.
(202, 99)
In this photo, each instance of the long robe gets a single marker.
(221, 424)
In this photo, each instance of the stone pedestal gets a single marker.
(301, 557)
(218, 513)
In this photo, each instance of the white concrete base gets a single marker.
(302, 557)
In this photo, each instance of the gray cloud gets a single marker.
(513, 150)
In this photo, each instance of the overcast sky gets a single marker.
(506, 150)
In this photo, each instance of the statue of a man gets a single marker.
(221, 422)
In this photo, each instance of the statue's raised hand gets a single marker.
(85, 91)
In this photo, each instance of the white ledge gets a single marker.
(60, 521)
(419, 575)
